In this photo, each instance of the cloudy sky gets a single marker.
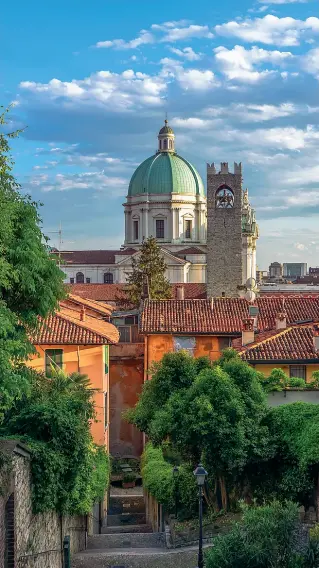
(92, 82)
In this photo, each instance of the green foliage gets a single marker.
(30, 282)
(129, 476)
(267, 537)
(68, 471)
(276, 381)
(297, 383)
(158, 476)
(150, 265)
(314, 384)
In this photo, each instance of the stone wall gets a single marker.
(38, 539)
(224, 233)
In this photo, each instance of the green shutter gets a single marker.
(106, 359)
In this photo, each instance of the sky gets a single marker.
(92, 82)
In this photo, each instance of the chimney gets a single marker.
(316, 337)
(248, 333)
(82, 314)
(281, 320)
(180, 293)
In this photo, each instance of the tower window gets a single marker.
(188, 229)
(79, 278)
(108, 278)
(160, 228)
(135, 230)
(165, 143)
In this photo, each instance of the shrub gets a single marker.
(296, 382)
(158, 476)
(267, 537)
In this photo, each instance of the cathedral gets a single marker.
(203, 238)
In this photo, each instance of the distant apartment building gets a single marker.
(275, 270)
(314, 271)
(294, 269)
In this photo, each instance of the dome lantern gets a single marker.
(166, 139)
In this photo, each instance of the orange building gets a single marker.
(76, 339)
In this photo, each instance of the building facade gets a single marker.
(294, 269)
(166, 199)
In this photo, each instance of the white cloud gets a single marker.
(87, 180)
(182, 33)
(283, 1)
(240, 112)
(238, 63)
(118, 91)
(144, 38)
(188, 79)
(311, 62)
(270, 29)
(188, 53)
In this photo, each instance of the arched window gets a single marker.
(79, 278)
(108, 278)
(165, 143)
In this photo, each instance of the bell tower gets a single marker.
(224, 230)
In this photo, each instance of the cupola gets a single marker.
(166, 139)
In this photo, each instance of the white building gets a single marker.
(166, 199)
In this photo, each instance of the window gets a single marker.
(224, 342)
(188, 229)
(125, 334)
(165, 143)
(185, 344)
(88, 280)
(79, 278)
(53, 358)
(298, 371)
(135, 230)
(108, 278)
(71, 280)
(160, 228)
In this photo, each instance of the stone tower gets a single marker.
(224, 230)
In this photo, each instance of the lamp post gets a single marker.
(175, 474)
(200, 474)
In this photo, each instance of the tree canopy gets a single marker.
(149, 266)
(31, 283)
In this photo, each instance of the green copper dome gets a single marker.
(166, 172)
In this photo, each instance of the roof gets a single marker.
(165, 173)
(291, 344)
(10, 446)
(112, 292)
(222, 315)
(190, 250)
(93, 306)
(66, 328)
(92, 256)
(166, 129)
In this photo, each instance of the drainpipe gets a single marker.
(78, 353)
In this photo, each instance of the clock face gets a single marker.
(224, 198)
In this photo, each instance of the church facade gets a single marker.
(166, 199)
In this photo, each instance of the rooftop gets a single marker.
(111, 292)
(71, 327)
(291, 344)
(222, 315)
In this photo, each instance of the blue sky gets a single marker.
(92, 82)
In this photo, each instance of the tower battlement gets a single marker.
(224, 169)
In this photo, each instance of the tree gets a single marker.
(207, 412)
(69, 473)
(31, 284)
(149, 266)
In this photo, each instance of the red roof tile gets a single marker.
(111, 292)
(101, 310)
(291, 344)
(223, 315)
(66, 328)
(189, 250)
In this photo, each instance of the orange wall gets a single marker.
(88, 360)
(267, 368)
(157, 345)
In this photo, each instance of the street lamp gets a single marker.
(175, 474)
(200, 474)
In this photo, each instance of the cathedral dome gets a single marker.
(166, 172)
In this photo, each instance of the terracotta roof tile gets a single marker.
(291, 344)
(189, 250)
(111, 292)
(100, 309)
(223, 315)
(66, 328)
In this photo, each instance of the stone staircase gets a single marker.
(127, 541)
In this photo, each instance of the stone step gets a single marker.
(137, 558)
(127, 529)
(126, 504)
(126, 540)
(126, 519)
